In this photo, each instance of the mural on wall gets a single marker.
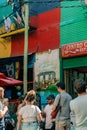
(12, 14)
(13, 70)
(13, 17)
(10, 70)
(47, 69)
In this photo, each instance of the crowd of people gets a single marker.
(30, 116)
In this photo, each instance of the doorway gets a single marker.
(70, 75)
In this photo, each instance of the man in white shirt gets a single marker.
(79, 105)
(49, 122)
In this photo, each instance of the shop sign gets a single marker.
(74, 49)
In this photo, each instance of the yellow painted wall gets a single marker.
(5, 47)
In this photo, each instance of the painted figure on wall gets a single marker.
(17, 6)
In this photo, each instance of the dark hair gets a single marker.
(21, 98)
(80, 85)
(61, 85)
(51, 97)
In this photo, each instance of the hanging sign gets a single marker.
(74, 49)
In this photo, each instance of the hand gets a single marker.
(1, 115)
(5, 109)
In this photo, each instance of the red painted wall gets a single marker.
(47, 35)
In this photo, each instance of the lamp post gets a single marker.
(26, 44)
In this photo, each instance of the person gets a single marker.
(78, 105)
(3, 110)
(9, 122)
(30, 114)
(21, 103)
(63, 116)
(38, 98)
(49, 122)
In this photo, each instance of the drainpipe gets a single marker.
(26, 45)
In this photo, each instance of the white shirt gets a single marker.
(79, 108)
(48, 110)
(29, 113)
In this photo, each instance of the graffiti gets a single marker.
(45, 79)
(14, 18)
(10, 70)
(2, 30)
(7, 27)
(47, 69)
(50, 75)
(17, 69)
(7, 24)
(17, 8)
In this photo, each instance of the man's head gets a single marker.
(1, 92)
(80, 86)
(50, 99)
(60, 86)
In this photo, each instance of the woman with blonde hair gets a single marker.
(30, 114)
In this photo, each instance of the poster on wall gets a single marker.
(47, 68)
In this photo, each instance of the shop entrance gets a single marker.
(70, 75)
(73, 68)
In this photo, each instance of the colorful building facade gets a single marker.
(73, 42)
(44, 42)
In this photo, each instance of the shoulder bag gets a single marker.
(58, 107)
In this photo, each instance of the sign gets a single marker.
(74, 49)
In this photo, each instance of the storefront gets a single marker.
(73, 63)
(13, 68)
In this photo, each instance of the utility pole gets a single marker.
(26, 44)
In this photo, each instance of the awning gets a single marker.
(31, 60)
(6, 81)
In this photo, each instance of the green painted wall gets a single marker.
(73, 25)
(75, 62)
(73, 28)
